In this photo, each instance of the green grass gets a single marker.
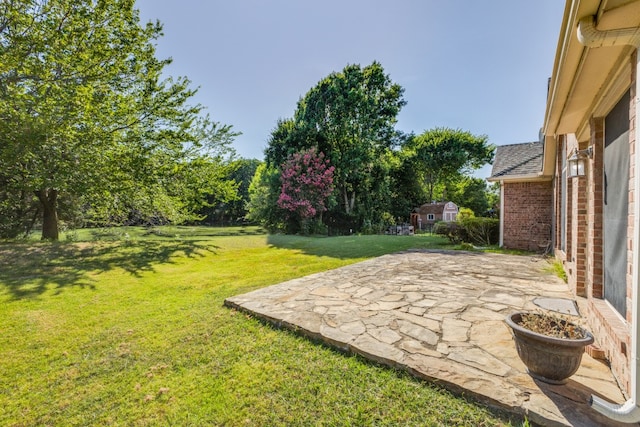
(556, 267)
(133, 332)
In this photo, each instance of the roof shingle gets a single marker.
(518, 159)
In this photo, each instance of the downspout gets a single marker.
(501, 242)
(589, 36)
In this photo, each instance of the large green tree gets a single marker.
(85, 113)
(264, 191)
(350, 116)
(470, 193)
(218, 209)
(442, 155)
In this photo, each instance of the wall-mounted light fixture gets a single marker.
(577, 161)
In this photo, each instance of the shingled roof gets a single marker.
(517, 160)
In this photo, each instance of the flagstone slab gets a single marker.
(440, 316)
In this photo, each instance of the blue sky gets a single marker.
(479, 66)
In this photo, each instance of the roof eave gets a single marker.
(538, 177)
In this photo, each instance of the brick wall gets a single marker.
(527, 214)
(612, 336)
(612, 330)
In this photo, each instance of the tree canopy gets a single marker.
(440, 155)
(349, 116)
(380, 174)
(85, 114)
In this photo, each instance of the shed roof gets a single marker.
(517, 160)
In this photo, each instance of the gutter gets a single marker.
(589, 36)
(539, 176)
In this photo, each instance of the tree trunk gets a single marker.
(48, 200)
(349, 203)
(346, 200)
(430, 191)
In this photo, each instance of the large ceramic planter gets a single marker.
(548, 359)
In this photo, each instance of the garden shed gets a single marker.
(428, 214)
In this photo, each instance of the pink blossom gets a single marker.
(307, 182)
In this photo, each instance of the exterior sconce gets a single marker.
(577, 162)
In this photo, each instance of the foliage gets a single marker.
(385, 221)
(84, 115)
(478, 231)
(243, 172)
(263, 199)
(231, 210)
(18, 208)
(451, 230)
(307, 183)
(465, 213)
(472, 193)
(407, 192)
(349, 116)
(441, 155)
(556, 267)
(481, 231)
(493, 198)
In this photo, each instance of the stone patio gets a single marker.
(440, 316)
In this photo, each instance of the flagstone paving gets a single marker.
(440, 315)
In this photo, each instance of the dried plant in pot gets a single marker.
(549, 345)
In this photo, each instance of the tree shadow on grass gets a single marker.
(186, 232)
(29, 270)
(356, 246)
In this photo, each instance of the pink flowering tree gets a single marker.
(307, 183)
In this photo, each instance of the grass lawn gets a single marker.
(130, 330)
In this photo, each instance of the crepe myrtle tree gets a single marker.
(307, 183)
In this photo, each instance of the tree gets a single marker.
(493, 198)
(350, 116)
(354, 113)
(442, 154)
(307, 183)
(470, 193)
(217, 209)
(84, 113)
(244, 170)
(263, 198)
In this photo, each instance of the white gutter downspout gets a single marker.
(589, 36)
(501, 242)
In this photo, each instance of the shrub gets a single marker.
(451, 230)
(478, 231)
(465, 213)
(481, 231)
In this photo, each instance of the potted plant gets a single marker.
(549, 345)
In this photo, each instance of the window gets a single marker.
(431, 217)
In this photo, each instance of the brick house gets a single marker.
(585, 184)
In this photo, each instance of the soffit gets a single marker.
(587, 82)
